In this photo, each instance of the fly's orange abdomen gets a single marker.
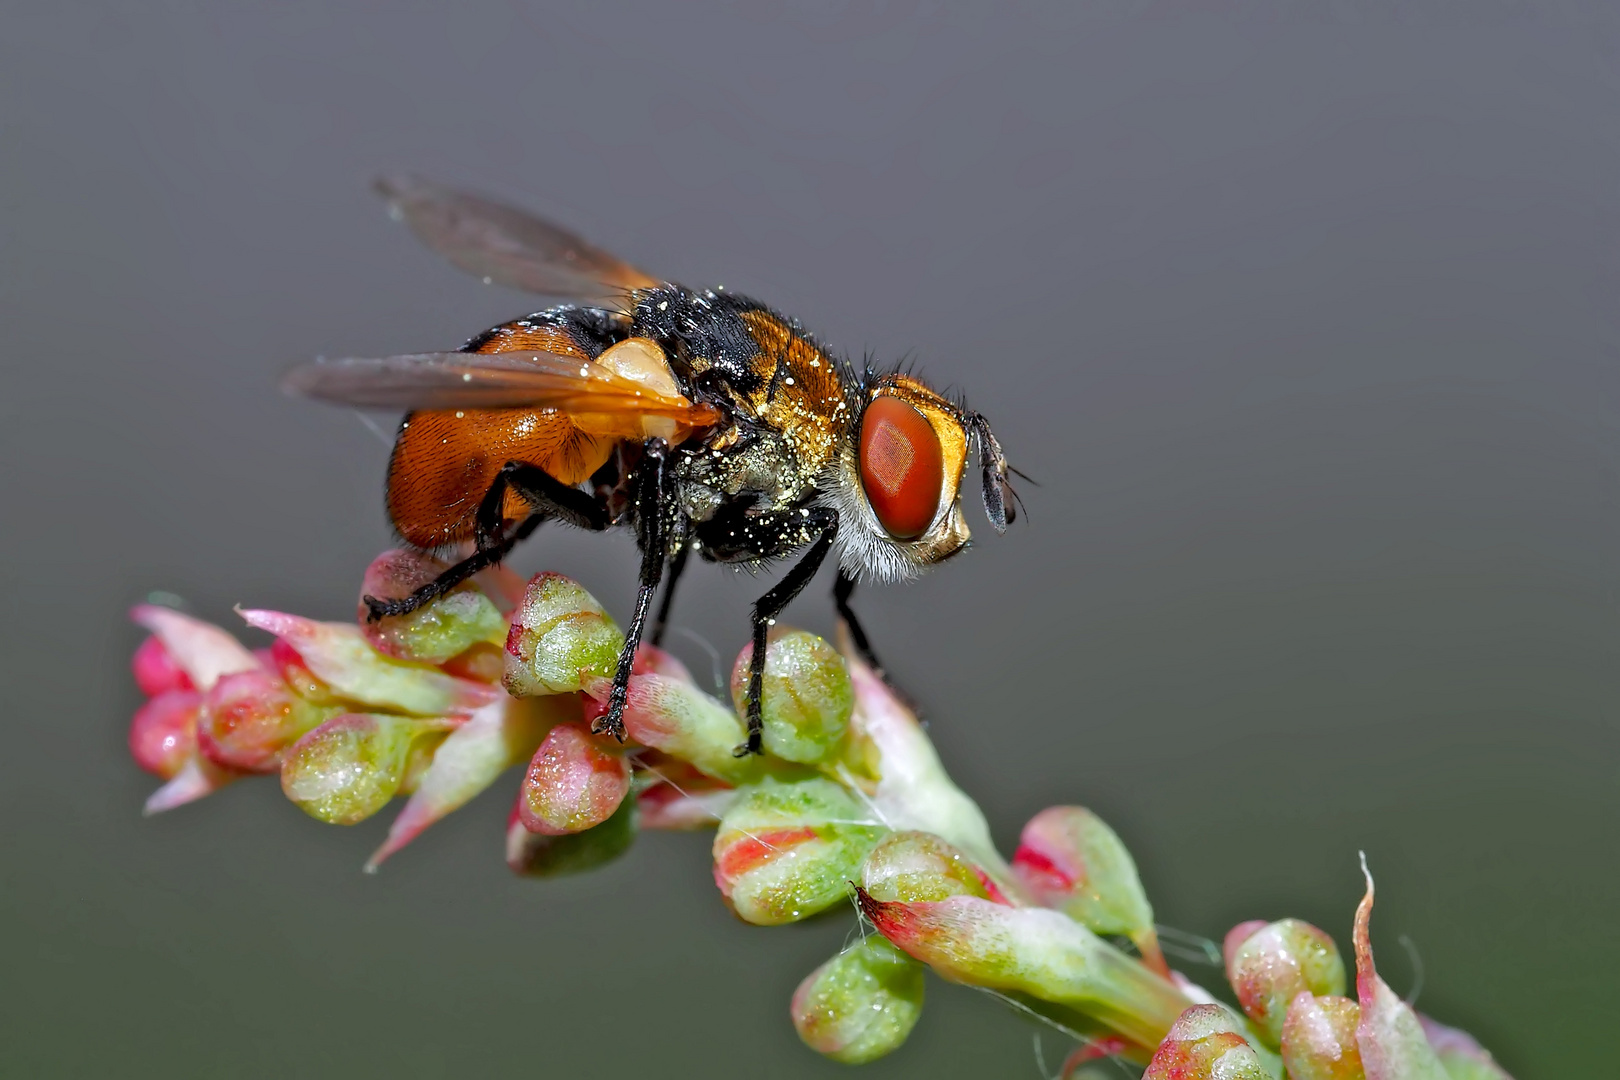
(444, 461)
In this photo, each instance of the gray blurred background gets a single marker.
(1305, 324)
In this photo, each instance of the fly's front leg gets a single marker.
(549, 497)
(822, 520)
(676, 566)
(652, 480)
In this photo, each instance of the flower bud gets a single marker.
(1388, 1034)
(250, 718)
(201, 650)
(444, 627)
(786, 850)
(674, 716)
(471, 757)
(163, 735)
(1070, 859)
(156, 671)
(861, 1004)
(560, 636)
(914, 866)
(539, 855)
(1274, 964)
(340, 656)
(1031, 951)
(1319, 1038)
(806, 695)
(350, 766)
(575, 781)
(1237, 936)
(1206, 1044)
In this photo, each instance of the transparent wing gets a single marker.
(461, 380)
(507, 245)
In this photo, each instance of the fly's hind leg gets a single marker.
(550, 499)
(651, 485)
(842, 590)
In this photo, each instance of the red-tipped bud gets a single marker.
(156, 671)
(163, 735)
(915, 866)
(349, 767)
(444, 627)
(1275, 963)
(1206, 1043)
(560, 638)
(202, 650)
(1319, 1038)
(575, 781)
(1070, 859)
(250, 718)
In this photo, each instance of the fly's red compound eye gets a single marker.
(902, 467)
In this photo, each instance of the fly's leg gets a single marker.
(842, 591)
(821, 519)
(676, 566)
(550, 498)
(651, 481)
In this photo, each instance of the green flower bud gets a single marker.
(861, 1004)
(806, 697)
(1319, 1038)
(913, 866)
(560, 639)
(786, 850)
(348, 768)
(445, 626)
(539, 855)
(1275, 963)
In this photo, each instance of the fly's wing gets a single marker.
(505, 245)
(542, 381)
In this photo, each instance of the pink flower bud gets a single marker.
(535, 854)
(575, 781)
(560, 637)
(340, 656)
(202, 650)
(492, 740)
(1388, 1034)
(1070, 859)
(438, 630)
(861, 1004)
(1274, 964)
(1319, 1038)
(156, 671)
(163, 735)
(1237, 936)
(350, 766)
(1206, 1044)
(249, 718)
(285, 660)
(806, 696)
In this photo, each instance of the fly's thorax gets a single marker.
(897, 481)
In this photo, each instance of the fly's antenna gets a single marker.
(1001, 503)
